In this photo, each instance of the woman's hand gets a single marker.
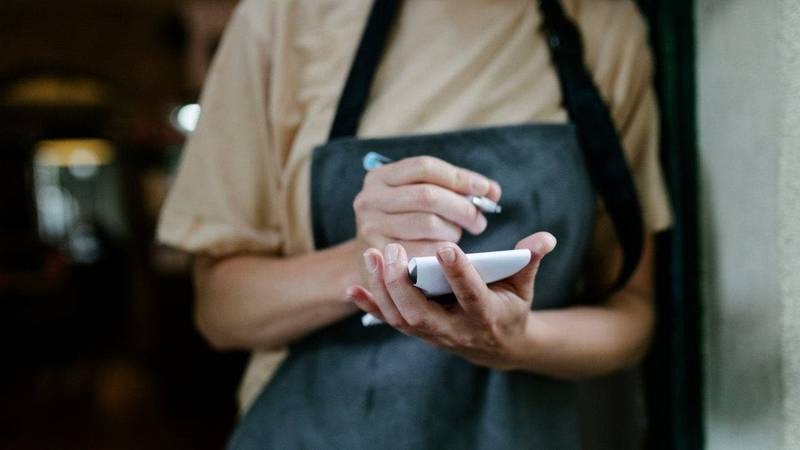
(487, 326)
(419, 202)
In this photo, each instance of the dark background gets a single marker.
(100, 351)
(99, 347)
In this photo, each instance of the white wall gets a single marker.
(789, 222)
(748, 53)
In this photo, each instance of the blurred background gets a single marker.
(98, 347)
(99, 351)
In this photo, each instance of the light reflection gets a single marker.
(184, 118)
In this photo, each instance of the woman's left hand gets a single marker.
(487, 326)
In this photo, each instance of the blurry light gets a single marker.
(83, 245)
(83, 157)
(57, 208)
(185, 117)
(73, 152)
(83, 163)
(57, 90)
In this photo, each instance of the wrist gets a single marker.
(521, 353)
(348, 265)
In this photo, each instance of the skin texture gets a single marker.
(416, 207)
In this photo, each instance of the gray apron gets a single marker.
(353, 387)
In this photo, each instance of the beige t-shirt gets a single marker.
(243, 184)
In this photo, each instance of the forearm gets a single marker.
(586, 341)
(258, 302)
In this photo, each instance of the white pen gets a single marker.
(374, 160)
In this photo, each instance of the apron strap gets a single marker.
(605, 159)
(597, 135)
(359, 81)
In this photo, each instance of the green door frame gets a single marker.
(673, 369)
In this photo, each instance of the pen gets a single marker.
(373, 160)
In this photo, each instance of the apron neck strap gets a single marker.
(597, 134)
(362, 71)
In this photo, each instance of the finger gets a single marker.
(418, 226)
(375, 267)
(369, 227)
(468, 286)
(419, 313)
(425, 198)
(427, 169)
(422, 248)
(495, 192)
(540, 244)
(364, 300)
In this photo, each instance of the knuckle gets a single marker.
(417, 320)
(421, 165)
(429, 223)
(427, 164)
(360, 202)
(395, 321)
(447, 342)
(394, 283)
(426, 196)
(457, 271)
(468, 341)
(462, 341)
(469, 296)
(493, 330)
(460, 178)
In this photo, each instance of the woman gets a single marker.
(293, 242)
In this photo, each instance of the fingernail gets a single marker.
(481, 224)
(447, 255)
(371, 262)
(392, 253)
(479, 185)
(553, 240)
(538, 249)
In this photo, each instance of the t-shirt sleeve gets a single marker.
(623, 67)
(225, 195)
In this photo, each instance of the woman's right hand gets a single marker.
(420, 203)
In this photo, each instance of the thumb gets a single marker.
(540, 244)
